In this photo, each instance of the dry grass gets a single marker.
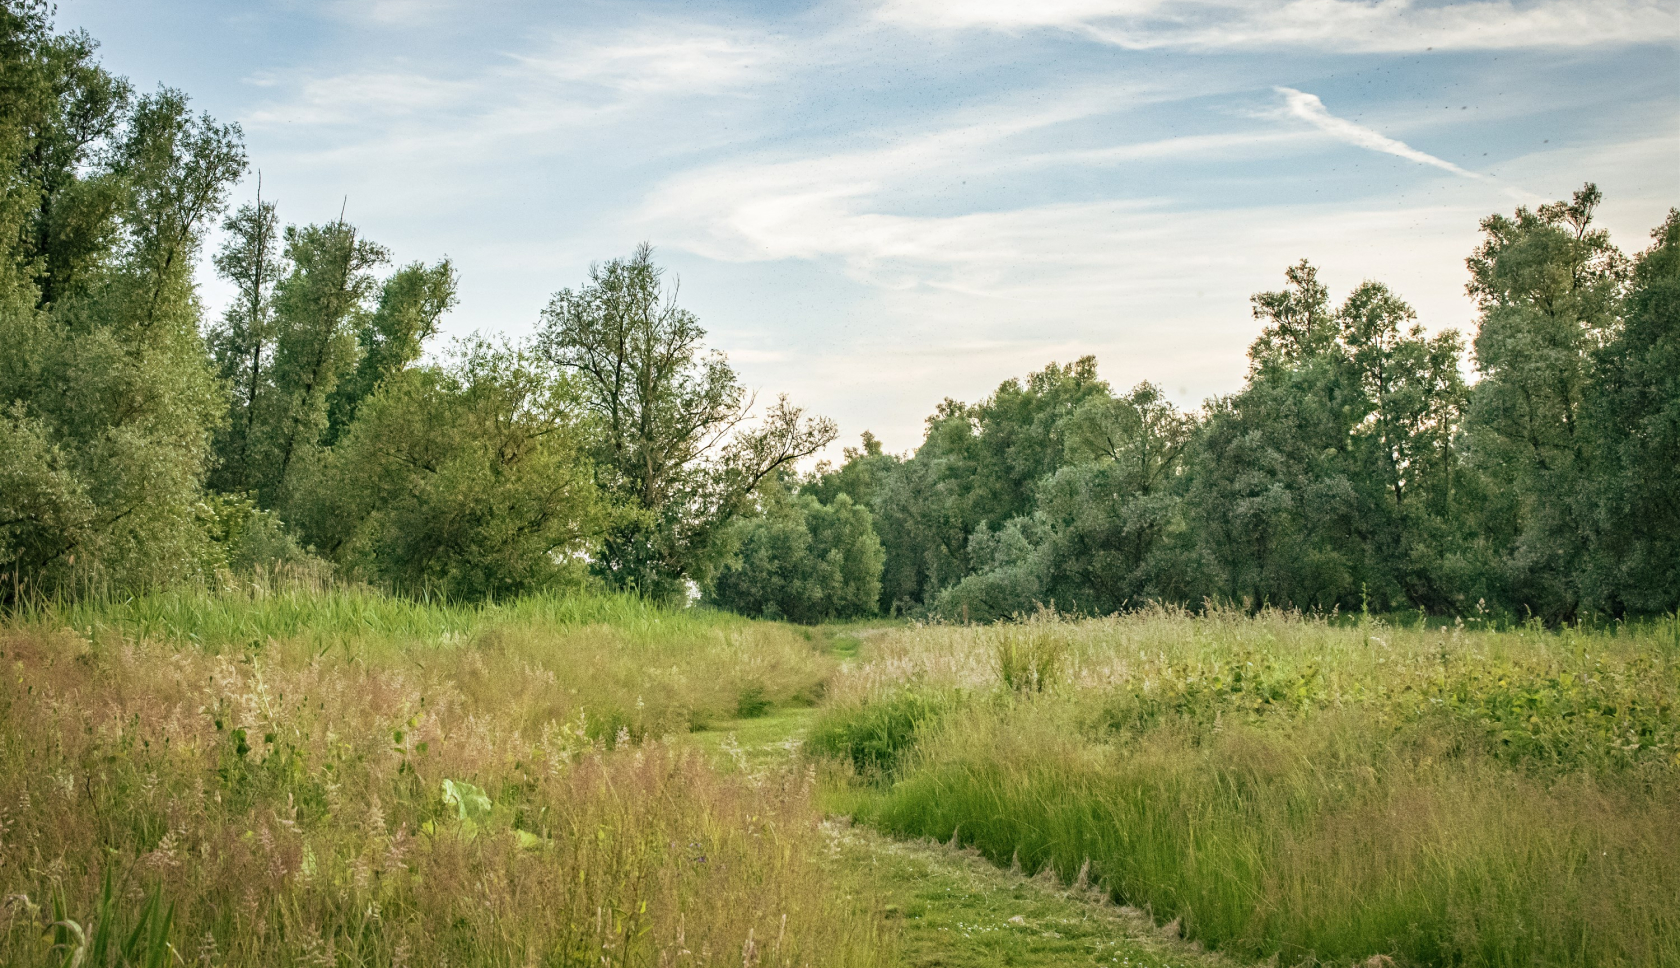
(266, 780)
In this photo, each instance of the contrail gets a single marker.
(1310, 109)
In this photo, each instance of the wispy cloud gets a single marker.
(661, 58)
(1340, 25)
(407, 13)
(851, 207)
(872, 216)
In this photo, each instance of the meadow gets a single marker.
(331, 776)
(335, 777)
(1294, 788)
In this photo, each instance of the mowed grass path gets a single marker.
(946, 907)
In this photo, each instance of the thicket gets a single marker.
(1287, 787)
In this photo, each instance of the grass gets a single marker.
(947, 907)
(952, 909)
(329, 777)
(336, 778)
(1291, 788)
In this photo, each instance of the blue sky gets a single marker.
(876, 204)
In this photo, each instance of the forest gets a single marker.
(1524, 470)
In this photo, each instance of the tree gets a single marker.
(675, 445)
(1271, 503)
(801, 560)
(1549, 288)
(242, 343)
(1636, 414)
(467, 480)
(859, 477)
(980, 464)
(318, 308)
(106, 388)
(412, 301)
(1402, 456)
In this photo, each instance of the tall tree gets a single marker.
(106, 387)
(676, 447)
(243, 341)
(1549, 287)
(318, 308)
(1636, 565)
(1403, 459)
(412, 301)
(1273, 508)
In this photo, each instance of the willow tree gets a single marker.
(107, 398)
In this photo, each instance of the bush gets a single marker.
(466, 480)
(803, 561)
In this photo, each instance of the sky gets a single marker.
(873, 205)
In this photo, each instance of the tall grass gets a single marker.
(333, 777)
(1321, 793)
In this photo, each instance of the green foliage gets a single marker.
(1355, 470)
(670, 445)
(802, 560)
(245, 540)
(980, 463)
(1637, 412)
(107, 394)
(1550, 289)
(411, 301)
(466, 481)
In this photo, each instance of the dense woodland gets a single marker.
(1526, 470)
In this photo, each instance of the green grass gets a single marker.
(757, 745)
(952, 909)
(356, 617)
(946, 907)
(1291, 788)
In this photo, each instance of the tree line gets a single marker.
(142, 444)
(307, 427)
(1357, 468)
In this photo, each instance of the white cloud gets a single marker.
(359, 98)
(1156, 289)
(514, 105)
(686, 58)
(392, 12)
(1339, 25)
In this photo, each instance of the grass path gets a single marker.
(951, 908)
